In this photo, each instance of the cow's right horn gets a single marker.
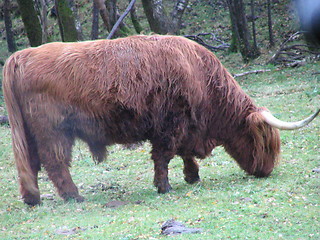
(274, 122)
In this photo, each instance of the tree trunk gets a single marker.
(31, 22)
(12, 47)
(255, 46)
(120, 21)
(135, 20)
(177, 14)
(76, 19)
(271, 38)
(103, 13)
(238, 19)
(234, 33)
(66, 21)
(113, 15)
(112, 11)
(95, 21)
(44, 20)
(157, 17)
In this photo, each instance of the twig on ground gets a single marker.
(251, 72)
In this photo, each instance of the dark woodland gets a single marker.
(249, 27)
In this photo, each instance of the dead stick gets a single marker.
(251, 72)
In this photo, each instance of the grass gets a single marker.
(226, 204)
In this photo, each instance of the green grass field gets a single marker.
(227, 204)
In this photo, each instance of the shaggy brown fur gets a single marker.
(165, 89)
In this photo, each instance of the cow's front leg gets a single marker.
(191, 169)
(161, 161)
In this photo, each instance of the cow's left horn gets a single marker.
(274, 122)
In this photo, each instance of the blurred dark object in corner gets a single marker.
(309, 14)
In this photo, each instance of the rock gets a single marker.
(4, 120)
(172, 227)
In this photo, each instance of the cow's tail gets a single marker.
(11, 76)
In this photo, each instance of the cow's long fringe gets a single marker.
(266, 142)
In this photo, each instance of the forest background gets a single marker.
(249, 27)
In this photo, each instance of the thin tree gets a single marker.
(95, 21)
(234, 34)
(240, 30)
(120, 19)
(157, 16)
(109, 14)
(76, 19)
(122, 29)
(254, 34)
(66, 21)
(271, 37)
(44, 20)
(103, 13)
(134, 19)
(159, 20)
(177, 14)
(31, 22)
(12, 47)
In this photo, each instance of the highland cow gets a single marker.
(165, 89)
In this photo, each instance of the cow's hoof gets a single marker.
(192, 180)
(163, 186)
(72, 196)
(80, 199)
(32, 201)
(165, 189)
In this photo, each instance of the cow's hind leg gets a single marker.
(191, 169)
(161, 161)
(55, 153)
(30, 190)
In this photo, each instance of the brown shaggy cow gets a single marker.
(165, 89)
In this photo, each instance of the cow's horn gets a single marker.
(274, 122)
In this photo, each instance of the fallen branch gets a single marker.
(251, 72)
(197, 38)
(292, 55)
(126, 12)
(297, 63)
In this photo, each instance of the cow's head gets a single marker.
(257, 147)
